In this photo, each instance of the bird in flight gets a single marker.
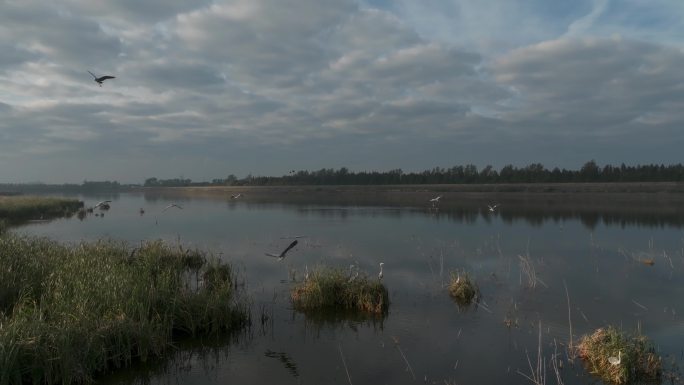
(236, 196)
(101, 78)
(282, 255)
(103, 204)
(172, 205)
(491, 208)
(436, 199)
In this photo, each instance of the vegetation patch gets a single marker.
(462, 288)
(70, 312)
(24, 208)
(620, 358)
(334, 289)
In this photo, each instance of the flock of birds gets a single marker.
(353, 274)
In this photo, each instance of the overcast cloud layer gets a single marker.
(208, 88)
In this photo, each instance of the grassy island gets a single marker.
(24, 208)
(334, 289)
(71, 312)
(620, 358)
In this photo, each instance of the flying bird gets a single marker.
(436, 199)
(172, 205)
(101, 78)
(236, 196)
(491, 208)
(282, 255)
(103, 204)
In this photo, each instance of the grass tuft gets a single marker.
(331, 289)
(70, 312)
(638, 361)
(462, 288)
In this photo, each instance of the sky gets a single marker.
(206, 88)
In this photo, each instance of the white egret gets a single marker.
(101, 78)
(436, 199)
(306, 274)
(491, 208)
(282, 255)
(236, 196)
(615, 361)
(380, 275)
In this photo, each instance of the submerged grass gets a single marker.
(462, 288)
(332, 289)
(24, 208)
(70, 312)
(634, 358)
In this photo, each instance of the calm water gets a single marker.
(426, 337)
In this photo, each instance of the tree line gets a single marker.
(464, 174)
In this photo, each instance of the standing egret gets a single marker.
(380, 275)
(101, 78)
(282, 255)
(306, 274)
(615, 361)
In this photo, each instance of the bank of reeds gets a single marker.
(24, 208)
(333, 289)
(462, 288)
(633, 357)
(71, 312)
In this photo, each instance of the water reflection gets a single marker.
(597, 249)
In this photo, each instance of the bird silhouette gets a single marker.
(282, 255)
(101, 78)
(172, 205)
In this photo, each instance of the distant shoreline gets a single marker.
(546, 188)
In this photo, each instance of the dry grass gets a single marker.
(462, 288)
(638, 361)
(330, 289)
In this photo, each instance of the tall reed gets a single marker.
(70, 312)
(23, 208)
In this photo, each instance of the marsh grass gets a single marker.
(70, 312)
(329, 289)
(638, 360)
(462, 288)
(23, 208)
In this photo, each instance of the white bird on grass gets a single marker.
(306, 274)
(380, 275)
(172, 205)
(101, 78)
(282, 255)
(615, 361)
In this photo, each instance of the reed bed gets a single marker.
(462, 288)
(333, 289)
(637, 360)
(71, 312)
(24, 208)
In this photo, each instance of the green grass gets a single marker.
(330, 289)
(71, 312)
(638, 361)
(23, 208)
(462, 288)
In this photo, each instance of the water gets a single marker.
(426, 337)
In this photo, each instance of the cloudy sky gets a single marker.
(208, 88)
